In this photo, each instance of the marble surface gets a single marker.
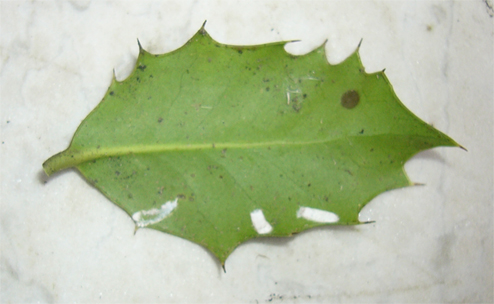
(64, 242)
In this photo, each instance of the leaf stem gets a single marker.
(73, 157)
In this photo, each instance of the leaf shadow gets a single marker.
(44, 179)
(429, 155)
(283, 241)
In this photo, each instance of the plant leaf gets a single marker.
(219, 144)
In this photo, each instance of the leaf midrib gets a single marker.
(73, 157)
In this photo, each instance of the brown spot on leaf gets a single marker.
(350, 99)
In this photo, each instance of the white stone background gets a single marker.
(63, 242)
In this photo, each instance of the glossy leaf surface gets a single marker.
(219, 144)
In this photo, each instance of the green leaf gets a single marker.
(219, 144)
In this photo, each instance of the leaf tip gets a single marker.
(140, 46)
(203, 28)
(359, 44)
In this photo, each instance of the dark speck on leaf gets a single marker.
(160, 119)
(350, 99)
(361, 131)
(141, 67)
(240, 52)
(111, 93)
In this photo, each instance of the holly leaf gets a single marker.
(219, 144)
